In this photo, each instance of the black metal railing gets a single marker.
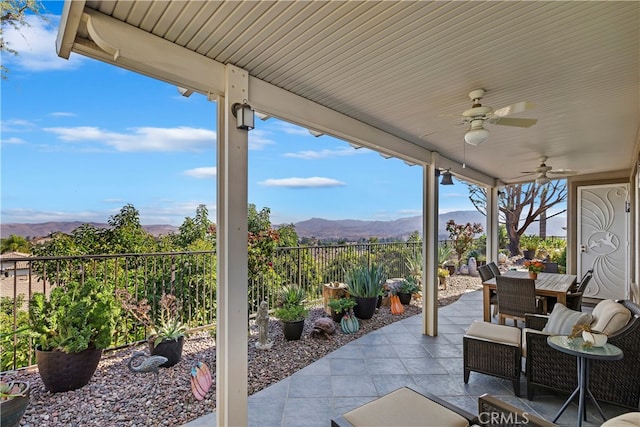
(191, 276)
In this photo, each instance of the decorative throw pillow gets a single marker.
(609, 317)
(562, 319)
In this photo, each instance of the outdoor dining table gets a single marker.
(547, 284)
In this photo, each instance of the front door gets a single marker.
(603, 239)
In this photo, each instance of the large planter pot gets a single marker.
(171, 349)
(12, 410)
(67, 371)
(292, 330)
(365, 308)
(405, 298)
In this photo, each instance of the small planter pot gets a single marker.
(533, 275)
(365, 308)
(170, 349)
(292, 330)
(528, 254)
(451, 268)
(405, 299)
(12, 410)
(67, 371)
(336, 317)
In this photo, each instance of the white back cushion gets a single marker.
(609, 317)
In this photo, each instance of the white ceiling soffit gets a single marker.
(404, 69)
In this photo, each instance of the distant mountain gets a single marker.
(350, 229)
(318, 228)
(44, 229)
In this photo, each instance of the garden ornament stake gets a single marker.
(149, 364)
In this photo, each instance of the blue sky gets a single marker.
(80, 139)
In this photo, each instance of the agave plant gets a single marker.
(366, 281)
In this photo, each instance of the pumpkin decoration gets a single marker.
(396, 305)
(349, 323)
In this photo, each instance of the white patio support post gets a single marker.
(493, 238)
(232, 274)
(430, 248)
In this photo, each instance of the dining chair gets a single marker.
(574, 299)
(486, 274)
(551, 267)
(516, 297)
(495, 270)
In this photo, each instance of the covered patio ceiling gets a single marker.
(405, 68)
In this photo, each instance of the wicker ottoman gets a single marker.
(493, 350)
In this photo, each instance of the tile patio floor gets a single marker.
(392, 357)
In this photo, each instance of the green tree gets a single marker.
(126, 234)
(15, 243)
(13, 14)
(195, 229)
(520, 205)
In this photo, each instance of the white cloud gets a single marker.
(202, 173)
(17, 125)
(142, 139)
(36, 46)
(62, 114)
(292, 129)
(12, 140)
(312, 182)
(258, 139)
(323, 154)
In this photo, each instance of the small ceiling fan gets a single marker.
(542, 172)
(478, 115)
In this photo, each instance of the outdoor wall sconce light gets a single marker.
(446, 178)
(244, 115)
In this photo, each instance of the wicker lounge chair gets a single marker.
(616, 382)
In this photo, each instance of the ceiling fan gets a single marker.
(478, 115)
(542, 172)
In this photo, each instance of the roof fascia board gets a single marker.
(129, 47)
(69, 23)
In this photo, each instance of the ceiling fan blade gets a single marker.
(562, 172)
(521, 123)
(518, 107)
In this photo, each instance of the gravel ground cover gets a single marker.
(117, 397)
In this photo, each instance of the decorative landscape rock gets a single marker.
(473, 267)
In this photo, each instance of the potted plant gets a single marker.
(365, 284)
(407, 288)
(166, 336)
(71, 328)
(443, 273)
(339, 307)
(291, 311)
(14, 398)
(530, 245)
(534, 267)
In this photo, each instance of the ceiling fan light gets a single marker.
(542, 180)
(476, 136)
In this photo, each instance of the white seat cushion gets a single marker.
(609, 317)
(496, 333)
(404, 407)
(625, 420)
(562, 319)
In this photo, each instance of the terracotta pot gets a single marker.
(67, 371)
(533, 275)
